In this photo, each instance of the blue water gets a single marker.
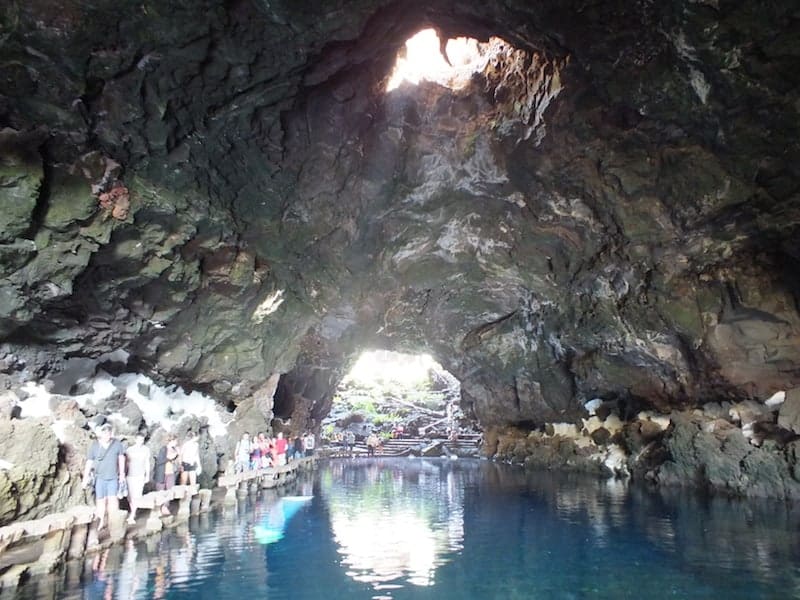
(461, 529)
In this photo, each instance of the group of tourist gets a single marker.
(114, 471)
(373, 443)
(262, 451)
(347, 440)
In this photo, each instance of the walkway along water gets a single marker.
(38, 547)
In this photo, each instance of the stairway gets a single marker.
(466, 444)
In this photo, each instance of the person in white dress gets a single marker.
(242, 453)
(138, 473)
(190, 460)
(309, 442)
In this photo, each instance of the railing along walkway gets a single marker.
(238, 484)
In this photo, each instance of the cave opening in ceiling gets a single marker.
(450, 63)
(391, 392)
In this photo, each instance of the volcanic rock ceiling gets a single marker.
(226, 191)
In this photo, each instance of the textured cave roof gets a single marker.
(638, 245)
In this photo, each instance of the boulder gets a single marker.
(81, 387)
(613, 424)
(601, 436)
(720, 427)
(636, 435)
(68, 409)
(115, 402)
(717, 410)
(603, 411)
(134, 416)
(8, 405)
(590, 424)
(726, 460)
(32, 476)
(789, 412)
(659, 420)
(749, 412)
(568, 430)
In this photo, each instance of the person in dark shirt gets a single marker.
(297, 448)
(166, 468)
(106, 460)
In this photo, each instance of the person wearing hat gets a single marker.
(105, 467)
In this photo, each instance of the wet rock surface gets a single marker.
(697, 448)
(225, 191)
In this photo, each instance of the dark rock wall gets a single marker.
(224, 190)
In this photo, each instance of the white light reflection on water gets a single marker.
(391, 533)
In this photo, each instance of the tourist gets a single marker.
(265, 444)
(281, 446)
(309, 442)
(242, 454)
(105, 465)
(190, 460)
(256, 452)
(138, 473)
(297, 447)
(166, 468)
(349, 441)
(372, 443)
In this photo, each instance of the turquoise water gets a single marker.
(443, 529)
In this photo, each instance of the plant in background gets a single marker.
(385, 389)
(470, 141)
(383, 418)
(364, 405)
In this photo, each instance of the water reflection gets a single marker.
(456, 530)
(185, 560)
(395, 523)
(668, 541)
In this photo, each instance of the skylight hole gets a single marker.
(421, 60)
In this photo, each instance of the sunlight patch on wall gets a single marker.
(270, 304)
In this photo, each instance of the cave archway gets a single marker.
(381, 388)
(386, 392)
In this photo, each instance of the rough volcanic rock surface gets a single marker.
(226, 191)
(33, 481)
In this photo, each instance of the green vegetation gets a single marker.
(386, 389)
(470, 142)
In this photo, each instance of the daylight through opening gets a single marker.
(421, 59)
(396, 396)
